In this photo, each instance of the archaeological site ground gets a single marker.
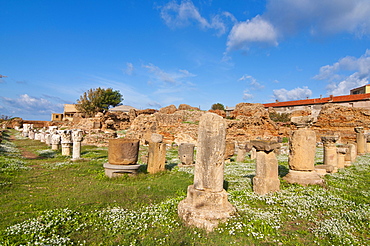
(181, 176)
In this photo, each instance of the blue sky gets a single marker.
(158, 53)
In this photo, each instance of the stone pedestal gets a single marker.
(186, 153)
(156, 157)
(360, 140)
(113, 171)
(253, 153)
(302, 158)
(241, 153)
(266, 179)
(77, 137)
(122, 157)
(206, 203)
(341, 156)
(330, 153)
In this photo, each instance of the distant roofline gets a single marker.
(330, 99)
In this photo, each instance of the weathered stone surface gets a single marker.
(168, 110)
(186, 153)
(66, 136)
(187, 107)
(341, 157)
(264, 145)
(156, 157)
(77, 136)
(55, 141)
(304, 178)
(302, 121)
(302, 146)
(206, 203)
(330, 151)
(229, 150)
(241, 152)
(360, 140)
(156, 138)
(221, 113)
(209, 167)
(123, 151)
(113, 171)
(266, 179)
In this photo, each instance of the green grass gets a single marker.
(50, 200)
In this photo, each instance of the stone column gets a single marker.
(206, 203)
(360, 140)
(186, 153)
(48, 139)
(253, 153)
(156, 157)
(368, 143)
(77, 136)
(42, 136)
(31, 134)
(66, 136)
(302, 150)
(122, 157)
(26, 128)
(330, 154)
(242, 151)
(266, 179)
(229, 150)
(55, 141)
(341, 156)
(37, 136)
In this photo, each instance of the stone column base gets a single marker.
(328, 168)
(263, 186)
(303, 178)
(117, 170)
(205, 209)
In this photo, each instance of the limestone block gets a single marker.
(113, 171)
(156, 138)
(186, 153)
(330, 151)
(157, 157)
(304, 178)
(205, 209)
(341, 157)
(123, 151)
(229, 150)
(209, 167)
(241, 153)
(302, 146)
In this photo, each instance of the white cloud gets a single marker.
(320, 17)
(340, 82)
(252, 82)
(288, 17)
(168, 78)
(247, 95)
(295, 94)
(257, 30)
(28, 105)
(184, 14)
(129, 68)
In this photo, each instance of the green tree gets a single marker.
(98, 100)
(218, 106)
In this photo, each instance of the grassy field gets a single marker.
(46, 199)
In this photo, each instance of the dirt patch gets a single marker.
(29, 155)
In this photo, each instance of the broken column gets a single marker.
(330, 154)
(55, 141)
(48, 139)
(302, 150)
(77, 136)
(66, 142)
(122, 157)
(266, 179)
(156, 154)
(26, 128)
(368, 143)
(360, 140)
(241, 152)
(229, 150)
(186, 153)
(342, 151)
(31, 134)
(206, 203)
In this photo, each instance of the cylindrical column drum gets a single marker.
(123, 151)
